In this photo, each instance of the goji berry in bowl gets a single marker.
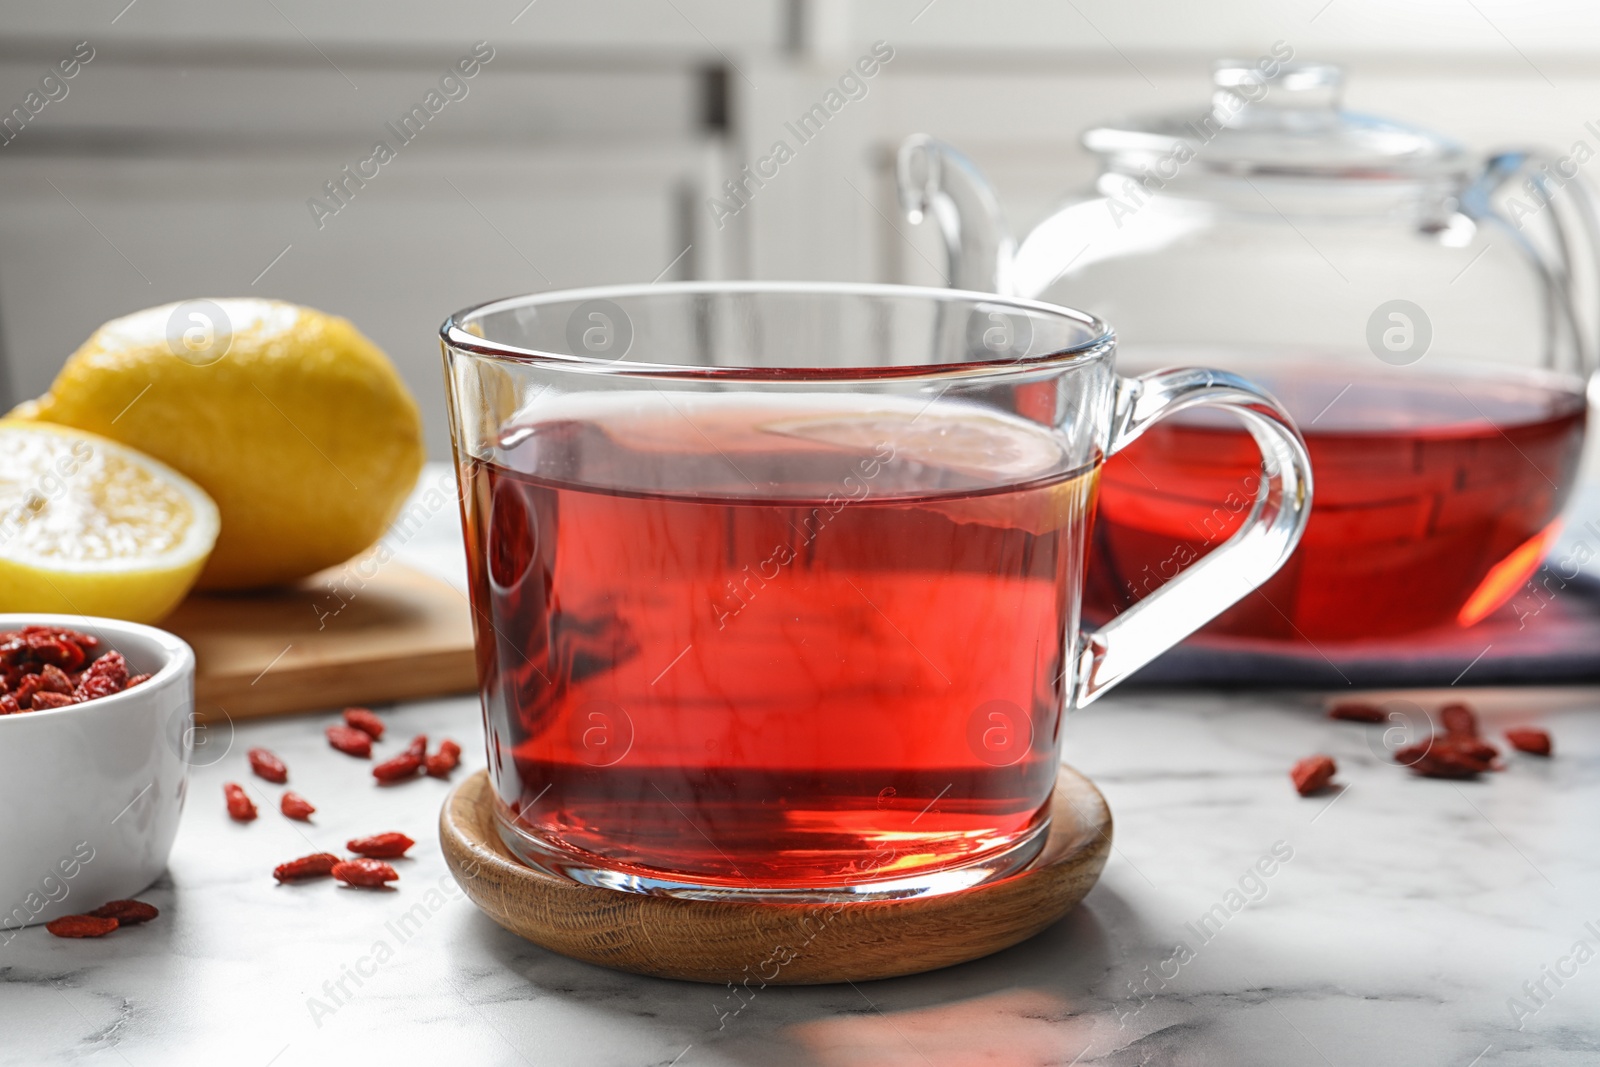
(92, 789)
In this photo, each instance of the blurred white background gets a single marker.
(181, 158)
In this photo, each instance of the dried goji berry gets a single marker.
(442, 762)
(1471, 746)
(380, 846)
(1442, 757)
(26, 687)
(418, 746)
(137, 679)
(366, 873)
(9, 705)
(1529, 739)
(49, 647)
(1448, 764)
(54, 680)
(364, 720)
(296, 806)
(402, 766)
(350, 741)
(81, 926)
(1356, 711)
(1459, 721)
(316, 865)
(92, 687)
(105, 676)
(1312, 773)
(45, 660)
(126, 912)
(71, 650)
(268, 766)
(240, 806)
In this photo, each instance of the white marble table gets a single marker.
(1409, 913)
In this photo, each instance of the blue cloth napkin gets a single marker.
(1549, 633)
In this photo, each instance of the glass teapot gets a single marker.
(1277, 221)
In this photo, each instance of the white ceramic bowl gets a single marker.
(91, 793)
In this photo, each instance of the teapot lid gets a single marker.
(1281, 119)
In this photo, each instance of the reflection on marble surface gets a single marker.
(1406, 917)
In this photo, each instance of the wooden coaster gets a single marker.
(776, 944)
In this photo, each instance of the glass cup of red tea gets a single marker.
(777, 586)
(1439, 491)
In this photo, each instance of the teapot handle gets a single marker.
(935, 179)
(1569, 263)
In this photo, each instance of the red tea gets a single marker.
(771, 650)
(1435, 499)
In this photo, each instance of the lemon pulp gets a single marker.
(90, 527)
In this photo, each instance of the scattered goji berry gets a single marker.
(1312, 773)
(380, 846)
(364, 720)
(402, 766)
(366, 873)
(1459, 721)
(1529, 739)
(442, 762)
(268, 766)
(1356, 711)
(296, 806)
(1443, 757)
(240, 806)
(418, 746)
(1473, 747)
(316, 865)
(126, 912)
(81, 926)
(350, 741)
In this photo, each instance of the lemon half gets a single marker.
(91, 527)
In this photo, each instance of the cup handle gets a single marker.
(1234, 568)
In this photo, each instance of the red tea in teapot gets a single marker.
(1436, 496)
(736, 653)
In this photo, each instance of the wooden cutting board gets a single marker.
(329, 641)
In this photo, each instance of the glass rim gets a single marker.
(1100, 340)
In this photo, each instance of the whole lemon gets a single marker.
(293, 422)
